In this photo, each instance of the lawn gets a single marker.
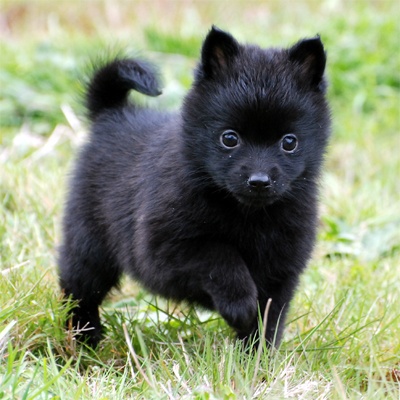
(342, 339)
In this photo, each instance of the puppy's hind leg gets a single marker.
(87, 274)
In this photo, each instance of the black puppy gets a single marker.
(215, 204)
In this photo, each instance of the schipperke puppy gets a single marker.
(215, 204)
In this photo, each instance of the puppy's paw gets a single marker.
(240, 314)
(85, 326)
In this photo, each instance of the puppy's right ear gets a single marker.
(219, 49)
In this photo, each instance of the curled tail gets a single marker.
(111, 83)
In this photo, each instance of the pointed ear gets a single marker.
(310, 56)
(219, 48)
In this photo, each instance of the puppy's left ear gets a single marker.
(219, 49)
(310, 56)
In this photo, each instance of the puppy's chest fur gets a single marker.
(259, 236)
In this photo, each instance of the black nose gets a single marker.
(259, 181)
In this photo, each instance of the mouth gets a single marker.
(256, 201)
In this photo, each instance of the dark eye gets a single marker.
(230, 138)
(289, 143)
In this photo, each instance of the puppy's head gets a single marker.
(256, 121)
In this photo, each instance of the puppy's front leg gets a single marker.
(211, 274)
(227, 280)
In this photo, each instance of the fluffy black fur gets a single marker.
(216, 204)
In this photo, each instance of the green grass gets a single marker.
(342, 339)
